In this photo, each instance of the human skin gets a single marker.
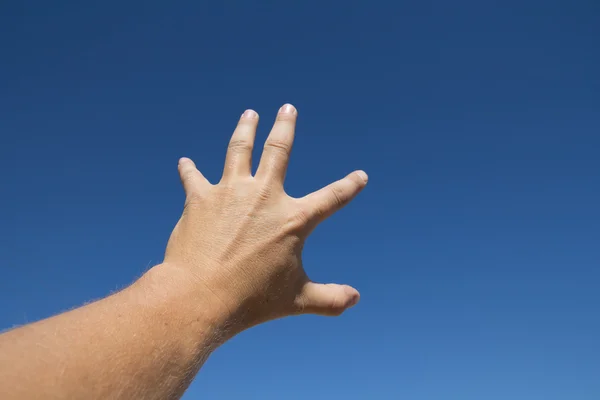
(233, 261)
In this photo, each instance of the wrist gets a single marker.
(178, 301)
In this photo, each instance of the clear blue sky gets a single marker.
(476, 245)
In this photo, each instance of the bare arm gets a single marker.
(145, 342)
(233, 261)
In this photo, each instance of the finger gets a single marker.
(326, 201)
(192, 180)
(327, 299)
(276, 154)
(239, 153)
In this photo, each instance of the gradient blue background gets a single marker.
(476, 245)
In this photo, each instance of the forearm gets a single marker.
(146, 341)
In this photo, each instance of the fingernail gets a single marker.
(363, 175)
(249, 114)
(287, 109)
(354, 296)
(184, 160)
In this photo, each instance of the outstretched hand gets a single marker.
(241, 240)
(234, 260)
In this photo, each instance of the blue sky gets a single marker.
(476, 245)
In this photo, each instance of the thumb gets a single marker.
(327, 299)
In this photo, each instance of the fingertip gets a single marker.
(288, 109)
(363, 175)
(249, 114)
(184, 161)
(287, 113)
(353, 296)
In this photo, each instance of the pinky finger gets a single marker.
(194, 183)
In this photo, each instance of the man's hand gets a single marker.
(242, 239)
(233, 261)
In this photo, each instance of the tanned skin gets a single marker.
(233, 261)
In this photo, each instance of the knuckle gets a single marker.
(298, 221)
(320, 212)
(279, 146)
(240, 145)
(302, 216)
(264, 192)
(315, 209)
(338, 195)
